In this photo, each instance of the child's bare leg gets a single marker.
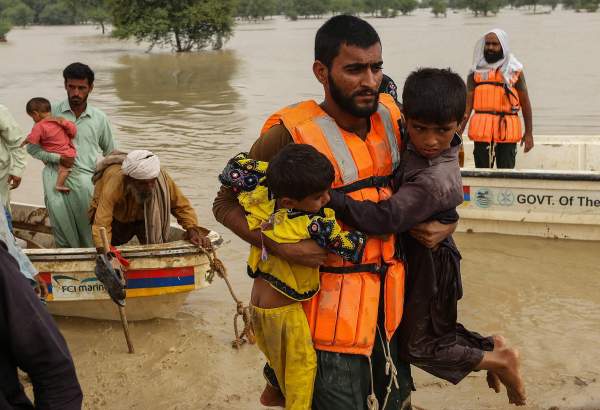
(272, 397)
(63, 173)
(504, 363)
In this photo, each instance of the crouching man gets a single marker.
(133, 196)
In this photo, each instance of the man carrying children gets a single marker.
(353, 318)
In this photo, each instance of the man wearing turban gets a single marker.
(497, 92)
(136, 197)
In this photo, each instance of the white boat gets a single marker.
(554, 192)
(159, 278)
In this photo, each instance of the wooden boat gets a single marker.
(554, 192)
(159, 278)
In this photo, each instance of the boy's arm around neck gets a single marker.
(411, 203)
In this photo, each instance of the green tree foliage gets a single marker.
(579, 5)
(346, 6)
(293, 9)
(256, 9)
(183, 25)
(484, 7)
(405, 6)
(458, 4)
(58, 13)
(389, 8)
(37, 6)
(18, 14)
(99, 16)
(534, 4)
(5, 27)
(377, 7)
(439, 8)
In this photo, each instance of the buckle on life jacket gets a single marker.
(499, 113)
(371, 182)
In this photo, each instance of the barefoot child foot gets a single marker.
(503, 363)
(272, 397)
(493, 381)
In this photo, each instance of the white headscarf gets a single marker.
(508, 64)
(141, 164)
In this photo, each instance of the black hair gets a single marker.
(38, 104)
(342, 29)
(78, 71)
(297, 171)
(434, 95)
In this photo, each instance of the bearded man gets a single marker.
(356, 127)
(133, 196)
(68, 213)
(497, 92)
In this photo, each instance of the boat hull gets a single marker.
(550, 204)
(159, 277)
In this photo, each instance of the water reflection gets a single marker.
(180, 106)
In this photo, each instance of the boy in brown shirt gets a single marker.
(429, 186)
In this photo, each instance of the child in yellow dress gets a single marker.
(285, 199)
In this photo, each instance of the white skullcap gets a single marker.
(141, 164)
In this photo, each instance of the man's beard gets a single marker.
(141, 197)
(77, 101)
(347, 103)
(492, 57)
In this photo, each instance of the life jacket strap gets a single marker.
(500, 113)
(371, 182)
(364, 267)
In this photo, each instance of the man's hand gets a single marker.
(432, 233)
(197, 239)
(67, 162)
(14, 181)
(41, 289)
(305, 252)
(528, 142)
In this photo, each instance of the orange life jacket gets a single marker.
(496, 108)
(343, 315)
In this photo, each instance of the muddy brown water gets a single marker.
(198, 110)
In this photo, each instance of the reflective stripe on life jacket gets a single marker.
(496, 107)
(343, 315)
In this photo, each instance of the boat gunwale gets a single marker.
(531, 174)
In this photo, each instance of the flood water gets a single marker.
(197, 110)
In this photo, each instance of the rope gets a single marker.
(217, 267)
(390, 368)
(372, 403)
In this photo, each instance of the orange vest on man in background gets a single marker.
(496, 107)
(343, 316)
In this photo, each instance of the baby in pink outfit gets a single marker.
(53, 134)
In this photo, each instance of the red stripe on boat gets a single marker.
(160, 273)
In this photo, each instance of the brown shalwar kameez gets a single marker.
(429, 335)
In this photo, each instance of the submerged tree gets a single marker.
(484, 7)
(18, 14)
(293, 9)
(5, 27)
(578, 5)
(406, 6)
(255, 9)
(439, 8)
(346, 6)
(184, 25)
